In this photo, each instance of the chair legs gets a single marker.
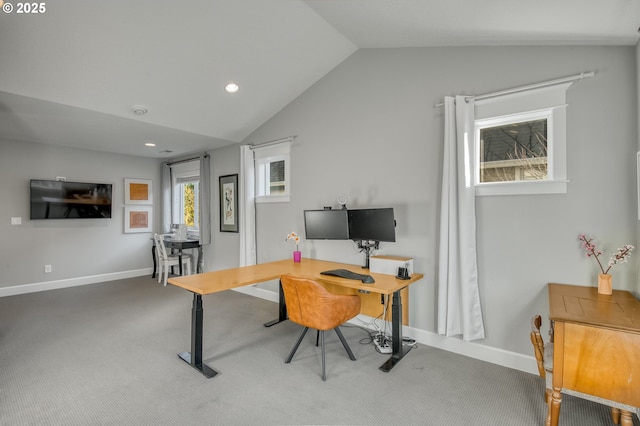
(320, 336)
(344, 343)
(163, 269)
(295, 347)
(165, 275)
(324, 371)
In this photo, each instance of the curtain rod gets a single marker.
(263, 144)
(547, 83)
(186, 160)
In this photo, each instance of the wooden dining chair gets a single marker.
(167, 260)
(544, 358)
(312, 306)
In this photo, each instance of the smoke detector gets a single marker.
(140, 110)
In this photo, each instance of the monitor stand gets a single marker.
(367, 246)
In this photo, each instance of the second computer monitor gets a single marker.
(372, 225)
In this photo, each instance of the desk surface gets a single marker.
(583, 305)
(216, 281)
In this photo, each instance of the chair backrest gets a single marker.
(538, 343)
(161, 250)
(311, 305)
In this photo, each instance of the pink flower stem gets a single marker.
(591, 250)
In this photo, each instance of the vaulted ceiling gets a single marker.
(73, 74)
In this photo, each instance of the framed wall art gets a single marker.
(138, 191)
(229, 203)
(137, 219)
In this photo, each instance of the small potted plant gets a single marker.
(620, 256)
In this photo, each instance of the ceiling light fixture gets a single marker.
(231, 88)
(149, 144)
(140, 110)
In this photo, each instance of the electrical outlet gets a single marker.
(47, 269)
(16, 221)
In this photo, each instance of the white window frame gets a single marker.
(547, 102)
(181, 174)
(263, 157)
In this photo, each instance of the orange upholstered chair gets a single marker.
(312, 306)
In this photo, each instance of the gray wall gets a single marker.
(75, 248)
(225, 246)
(369, 129)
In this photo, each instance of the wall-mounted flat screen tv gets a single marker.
(326, 225)
(52, 199)
(372, 225)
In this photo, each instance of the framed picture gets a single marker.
(138, 191)
(229, 203)
(137, 219)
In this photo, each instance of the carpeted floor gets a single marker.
(106, 354)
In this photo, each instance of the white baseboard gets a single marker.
(490, 354)
(253, 290)
(514, 360)
(72, 282)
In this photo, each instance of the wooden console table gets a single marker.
(596, 345)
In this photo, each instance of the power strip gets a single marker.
(381, 342)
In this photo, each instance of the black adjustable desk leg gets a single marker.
(194, 358)
(398, 351)
(282, 309)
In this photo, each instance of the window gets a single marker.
(521, 143)
(272, 165)
(186, 195)
(513, 148)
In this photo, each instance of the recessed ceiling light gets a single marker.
(149, 144)
(140, 110)
(231, 88)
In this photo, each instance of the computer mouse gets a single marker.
(368, 279)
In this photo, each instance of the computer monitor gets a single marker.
(372, 225)
(326, 225)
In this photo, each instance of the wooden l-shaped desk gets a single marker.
(217, 281)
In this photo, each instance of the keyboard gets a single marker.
(345, 273)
